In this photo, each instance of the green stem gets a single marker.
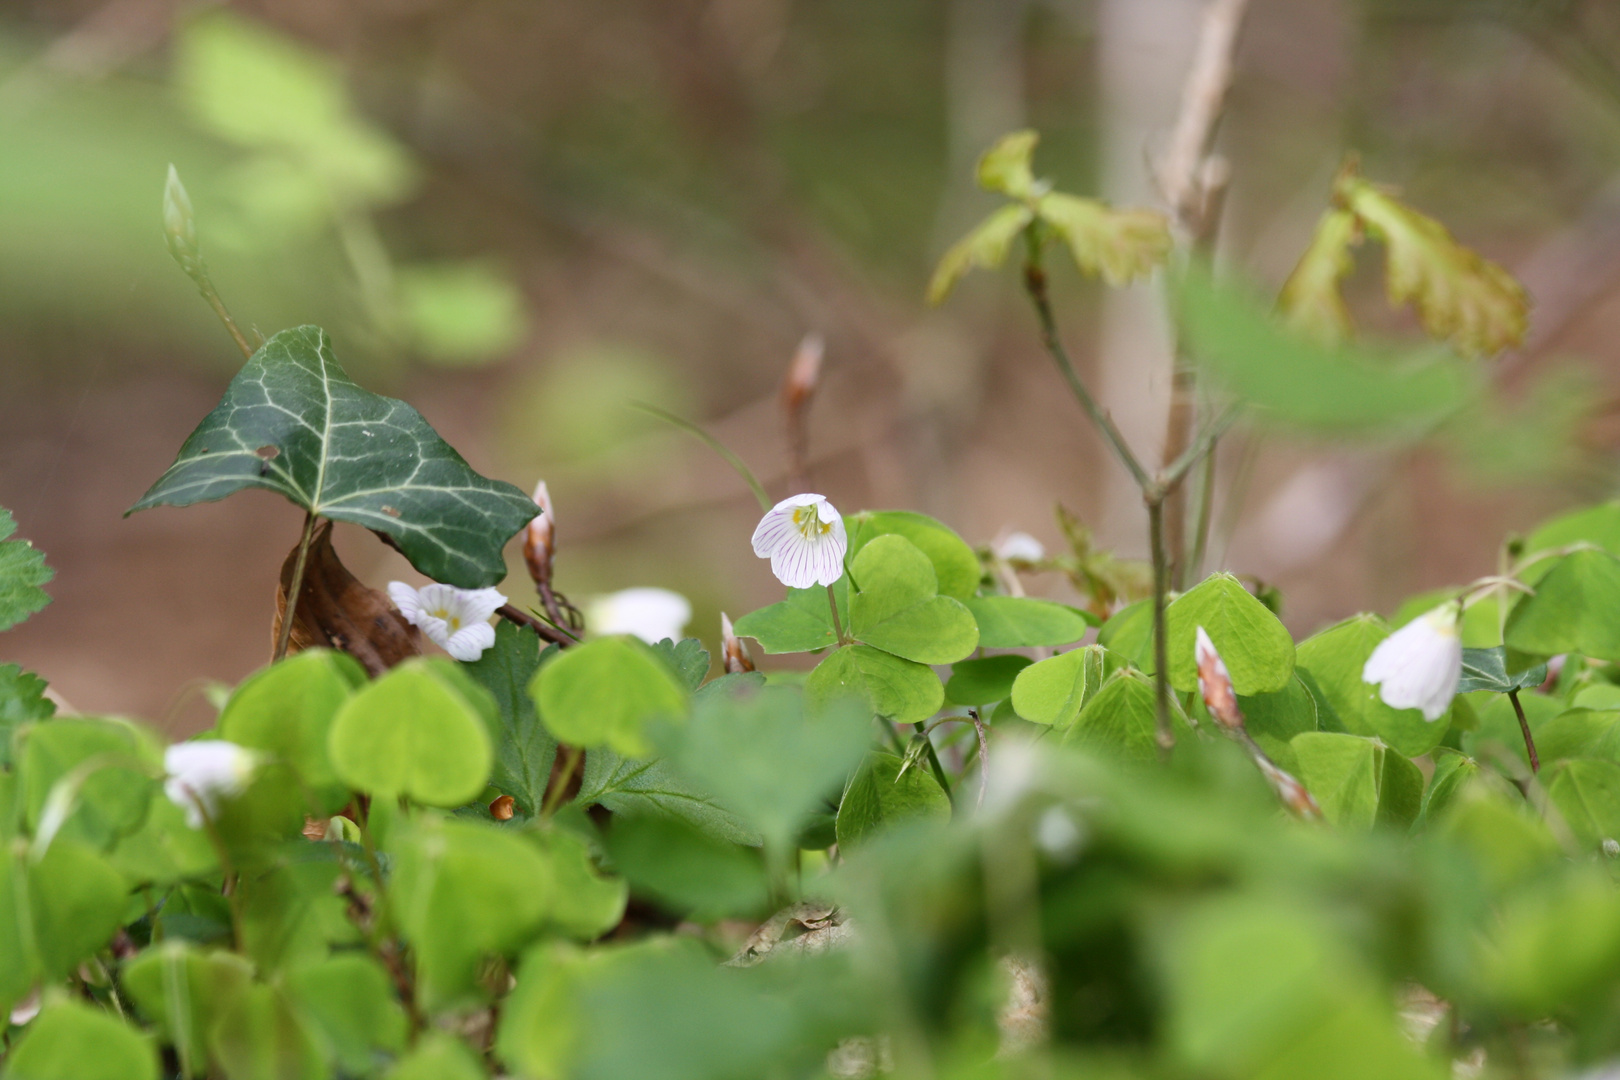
(555, 795)
(838, 628)
(296, 587)
(1206, 514)
(1524, 726)
(232, 881)
(1161, 650)
(714, 444)
(206, 287)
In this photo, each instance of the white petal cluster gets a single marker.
(203, 773)
(457, 620)
(803, 536)
(1020, 547)
(650, 614)
(1419, 665)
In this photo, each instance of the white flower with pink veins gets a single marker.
(457, 620)
(803, 536)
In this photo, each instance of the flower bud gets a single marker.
(539, 539)
(733, 656)
(1215, 684)
(1289, 790)
(180, 225)
(503, 808)
(804, 373)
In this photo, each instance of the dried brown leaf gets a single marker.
(337, 611)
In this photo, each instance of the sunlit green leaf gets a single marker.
(879, 797)
(293, 422)
(1576, 609)
(73, 1041)
(183, 989)
(439, 1056)
(351, 1003)
(955, 565)
(286, 711)
(1115, 245)
(898, 609)
(1054, 690)
(985, 248)
(1005, 167)
(900, 690)
(1120, 720)
(801, 623)
(1015, 622)
(105, 767)
(1331, 662)
(1358, 781)
(605, 693)
(1586, 792)
(1257, 649)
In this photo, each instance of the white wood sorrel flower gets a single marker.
(803, 536)
(203, 773)
(457, 620)
(1419, 665)
(649, 613)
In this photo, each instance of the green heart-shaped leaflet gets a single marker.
(954, 562)
(879, 797)
(292, 421)
(801, 623)
(183, 989)
(422, 731)
(901, 690)
(70, 1041)
(1017, 622)
(1256, 647)
(1330, 665)
(605, 693)
(1575, 609)
(1358, 781)
(899, 610)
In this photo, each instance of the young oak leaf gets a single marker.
(1117, 245)
(1310, 301)
(1461, 296)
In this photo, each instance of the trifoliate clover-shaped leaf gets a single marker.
(22, 572)
(1005, 167)
(1461, 297)
(292, 421)
(1115, 245)
(1310, 301)
(985, 247)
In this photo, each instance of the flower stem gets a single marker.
(838, 627)
(555, 795)
(933, 760)
(1161, 648)
(296, 587)
(1524, 726)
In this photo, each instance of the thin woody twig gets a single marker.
(1182, 172)
(546, 630)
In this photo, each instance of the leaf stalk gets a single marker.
(295, 587)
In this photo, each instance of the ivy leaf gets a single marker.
(22, 572)
(294, 423)
(985, 248)
(1115, 245)
(1485, 669)
(1461, 297)
(1310, 301)
(1005, 167)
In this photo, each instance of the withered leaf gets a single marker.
(336, 610)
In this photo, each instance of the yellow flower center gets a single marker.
(443, 613)
(809, 523)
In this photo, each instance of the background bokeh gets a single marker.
(523, 214)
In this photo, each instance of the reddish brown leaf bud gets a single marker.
(503, 808)
(1215, 685)
(732, 653)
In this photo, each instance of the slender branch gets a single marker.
(294, 587)
(1205, 516)
(1035, 286)
(555, 795)
(1201, 446)
(206, 287)
(1203, 99)
(1524, 726)
(548, 631)
(1161, 650)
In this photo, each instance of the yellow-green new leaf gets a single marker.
(1461, 296)
(1005, 167)
(1310, 301)
(1115, 245)
(985, 247)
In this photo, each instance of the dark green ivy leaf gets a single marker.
(293, 422)
(1484, 669)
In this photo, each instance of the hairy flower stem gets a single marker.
(838, 627)
(1524, 726)
(294, 587)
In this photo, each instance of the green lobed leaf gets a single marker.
(1310, 301)
(879, 797)
(900, 690)
(654, 788)
(1257, 648)
(22, 572)
(1113, 244)
(1016, 622)
(687, 658)
(22, 701)
(1358, 782)
(1053, 691)
(72, 1041)
(1005, 167)
(955, 564)
(984, 247)
(524, 749)
(984, 681)
(462, 891)
(801, 623)
(1330, 664)
(1485, 669)
(286, 711)
(293, 422)
(421, 731)
(1575, 609)
(605, 693)
(898, 609)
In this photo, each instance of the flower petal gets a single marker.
(407, 600)
(469, 643)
